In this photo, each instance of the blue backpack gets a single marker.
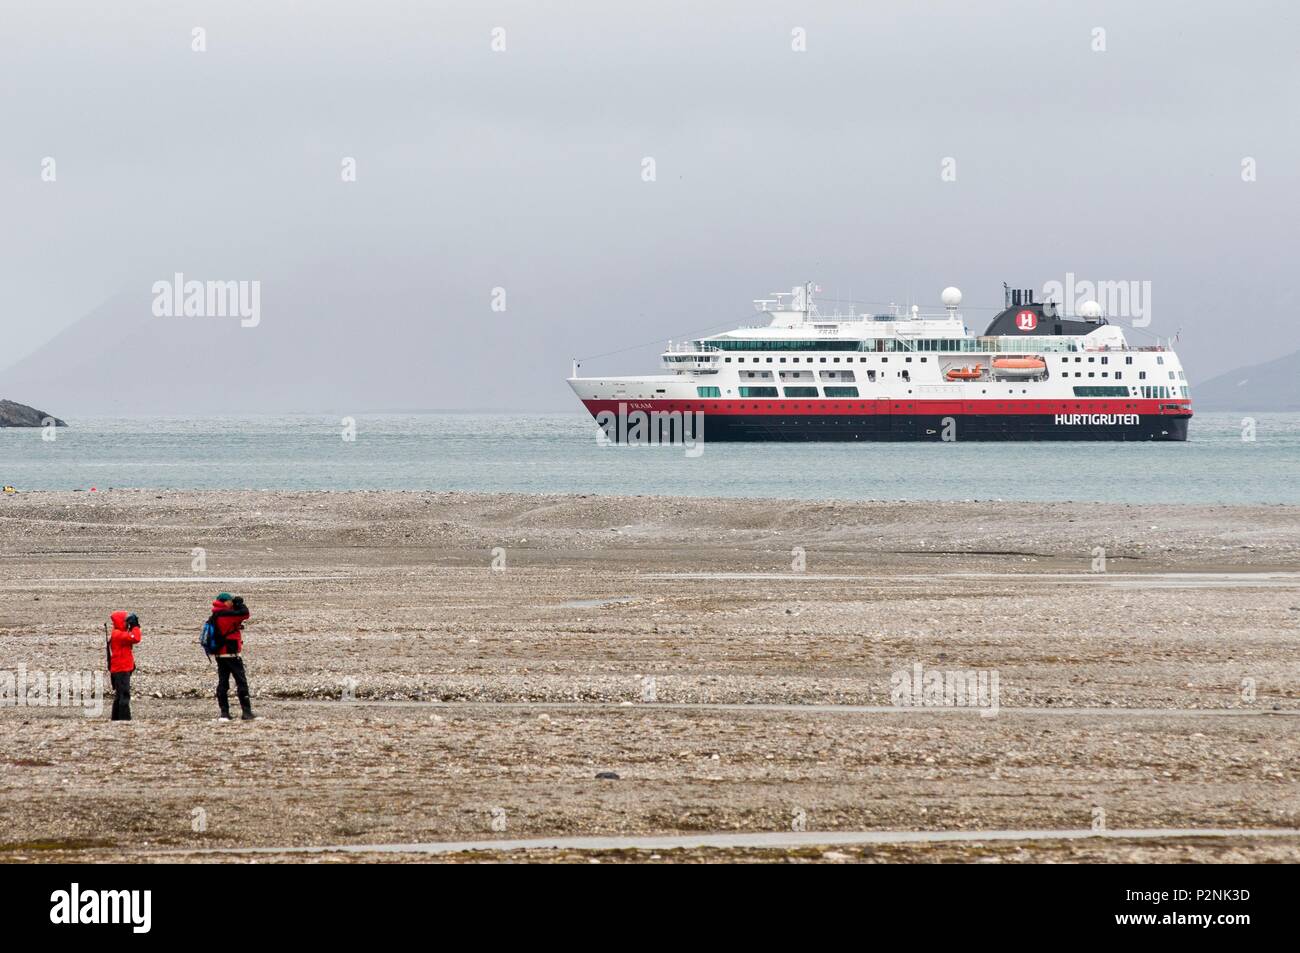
(210, 639)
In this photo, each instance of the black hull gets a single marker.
(904, 428)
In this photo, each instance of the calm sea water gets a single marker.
(547, 453)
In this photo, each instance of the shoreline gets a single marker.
(845, 500)
(708, 651)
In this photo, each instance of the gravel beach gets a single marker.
(444, 667)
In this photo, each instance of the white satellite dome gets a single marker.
(1090, 309)
(951, 296)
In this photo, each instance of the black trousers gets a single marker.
(121, 695)
(227, 666)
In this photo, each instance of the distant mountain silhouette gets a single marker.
(1271, 386)
(319, 348)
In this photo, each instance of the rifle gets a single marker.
(108, 654)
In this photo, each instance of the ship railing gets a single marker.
(980, 345)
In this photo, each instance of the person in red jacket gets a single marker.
(228, 616)
(121, 661)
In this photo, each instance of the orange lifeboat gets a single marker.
(1019, 366)
(965, 373)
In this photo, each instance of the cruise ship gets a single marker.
(1035, 373)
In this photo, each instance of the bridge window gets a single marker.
(732, 344)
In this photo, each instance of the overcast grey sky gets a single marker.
(522, 169)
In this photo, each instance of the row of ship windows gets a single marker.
(1147, 390)
(1127, 360)
(1104, 359)
(953, 345)
(871, 374)
(1142, 376)
(795, 360)
(840, 376)
(772, 392)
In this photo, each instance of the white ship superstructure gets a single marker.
(1034, 374)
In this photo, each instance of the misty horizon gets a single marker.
(390, 181)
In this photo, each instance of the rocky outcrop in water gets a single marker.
(20, 415)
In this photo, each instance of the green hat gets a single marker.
(225, 597)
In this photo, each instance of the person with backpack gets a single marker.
(121, 661)
(224, 638)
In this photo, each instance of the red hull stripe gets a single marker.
(751, 407)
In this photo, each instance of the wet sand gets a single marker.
(729, 660)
